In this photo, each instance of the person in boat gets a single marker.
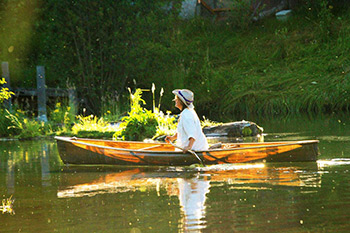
(189, 133)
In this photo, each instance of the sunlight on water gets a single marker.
(228, 167)
(7, 206)
(333, 162)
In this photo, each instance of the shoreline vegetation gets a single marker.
(237, 68)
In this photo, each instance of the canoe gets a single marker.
(92, 151)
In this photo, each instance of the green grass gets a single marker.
(271, 68)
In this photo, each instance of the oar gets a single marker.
(191, 151)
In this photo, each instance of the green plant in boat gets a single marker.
(140, 122)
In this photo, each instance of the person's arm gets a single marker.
(171, 138)
(190, 145)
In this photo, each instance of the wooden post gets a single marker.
(73, 104)
(6, 75)
(41, 90)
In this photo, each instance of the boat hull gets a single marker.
(89, 151)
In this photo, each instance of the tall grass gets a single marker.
(274, 68)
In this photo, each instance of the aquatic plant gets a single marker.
(7, 206)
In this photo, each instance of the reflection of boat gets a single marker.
(91, 151)
(262, 174)
(80, 181)
(87, 184)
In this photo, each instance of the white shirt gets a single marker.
(188, 127)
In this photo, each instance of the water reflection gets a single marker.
(332, 162)
(27, 156)
(190, 185)
(192, 196)
(10, 174)
(45, 166)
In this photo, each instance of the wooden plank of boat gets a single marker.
(92, 151)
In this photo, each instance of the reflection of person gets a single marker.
(189, 133)
(192, 196)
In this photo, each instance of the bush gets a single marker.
(92, 127)
(25, 127)
(139, 127)
(61, 117)
(5, 123)
(140, 123)
(5, 93)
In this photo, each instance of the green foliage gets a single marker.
(166, 124)
(5, 93)
(236, 68)
(61, 118)
(240, 16)
(247, 131)
(140, 122)
(320, 13)
(110, 107)
(92, 127)
(207, 123)
(95, 44)
(26, 128)
(5, 123)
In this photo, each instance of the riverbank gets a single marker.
(274, 68)
(237, 68)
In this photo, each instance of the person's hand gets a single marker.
(189, 146)
(169, 139)
(186, 148)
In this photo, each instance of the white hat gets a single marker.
(186, 96)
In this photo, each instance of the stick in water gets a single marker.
(191, 151)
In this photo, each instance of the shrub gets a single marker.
(25, 128)
(5, 93)
(61, 117)
(139, 127)
(92, 127)
(140, 123)
(166, 124)
(5, 123)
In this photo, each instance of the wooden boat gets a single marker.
(92, 151)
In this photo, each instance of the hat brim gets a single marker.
(176, 92)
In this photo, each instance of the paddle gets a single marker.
(191, 151)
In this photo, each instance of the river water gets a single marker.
(280, 197)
